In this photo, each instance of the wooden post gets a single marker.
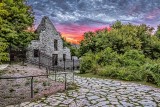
(32, 87)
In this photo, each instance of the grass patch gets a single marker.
(91, 75)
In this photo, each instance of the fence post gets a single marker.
(39, 59)
(55, 75)
(47, 72)
(23, 55)
(32, 87)
(10, 48)
(73, 64)
(64, 64)
(73, 77)
(65, 81)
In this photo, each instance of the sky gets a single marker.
(75, 17)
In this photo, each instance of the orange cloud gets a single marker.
(69, 38)
(74, 33)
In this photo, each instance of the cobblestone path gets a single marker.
(102, 93)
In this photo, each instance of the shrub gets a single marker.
(151, 73)
(157, 79)
(86, 63)
(106, 57)
(108, 71)
(154, 67)
(127, 73)
(132, 58)
(148, 76)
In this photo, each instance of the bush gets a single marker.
(106, 57)
(154, 67)
(157, 79)
(151, 73)
(108, 71)
(86, 63)
(130, 66)
(127, 52)
(132, 58)
(130, 73)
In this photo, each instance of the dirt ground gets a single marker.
(14, 91)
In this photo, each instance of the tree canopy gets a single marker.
(15, 18)
(123, 38)
(128, 52)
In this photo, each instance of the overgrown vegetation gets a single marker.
(15, 18)
(128, 52)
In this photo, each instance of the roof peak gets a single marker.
(44, 23)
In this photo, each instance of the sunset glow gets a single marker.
(74, 33)
(72, 18)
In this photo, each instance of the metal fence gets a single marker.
(61, 76)
(32, 78)
(23, 87)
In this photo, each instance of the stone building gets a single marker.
(48, 49)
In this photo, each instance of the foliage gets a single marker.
(86, 62)
(15, 18)
(128, 52)
(121, 39)
(158, 32)
(3, 47)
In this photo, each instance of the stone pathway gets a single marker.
(101, 93)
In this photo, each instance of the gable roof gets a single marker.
(44, 24)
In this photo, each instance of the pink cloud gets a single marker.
(75, 32)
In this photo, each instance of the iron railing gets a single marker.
(47, 75)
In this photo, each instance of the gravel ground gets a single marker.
(14, 91)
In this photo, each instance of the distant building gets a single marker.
(49, 43)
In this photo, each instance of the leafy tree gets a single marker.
(15, 18)
(121, 39)
(128, 52)
(158, 32)
(117, 25)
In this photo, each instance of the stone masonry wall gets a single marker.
(45, 44)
